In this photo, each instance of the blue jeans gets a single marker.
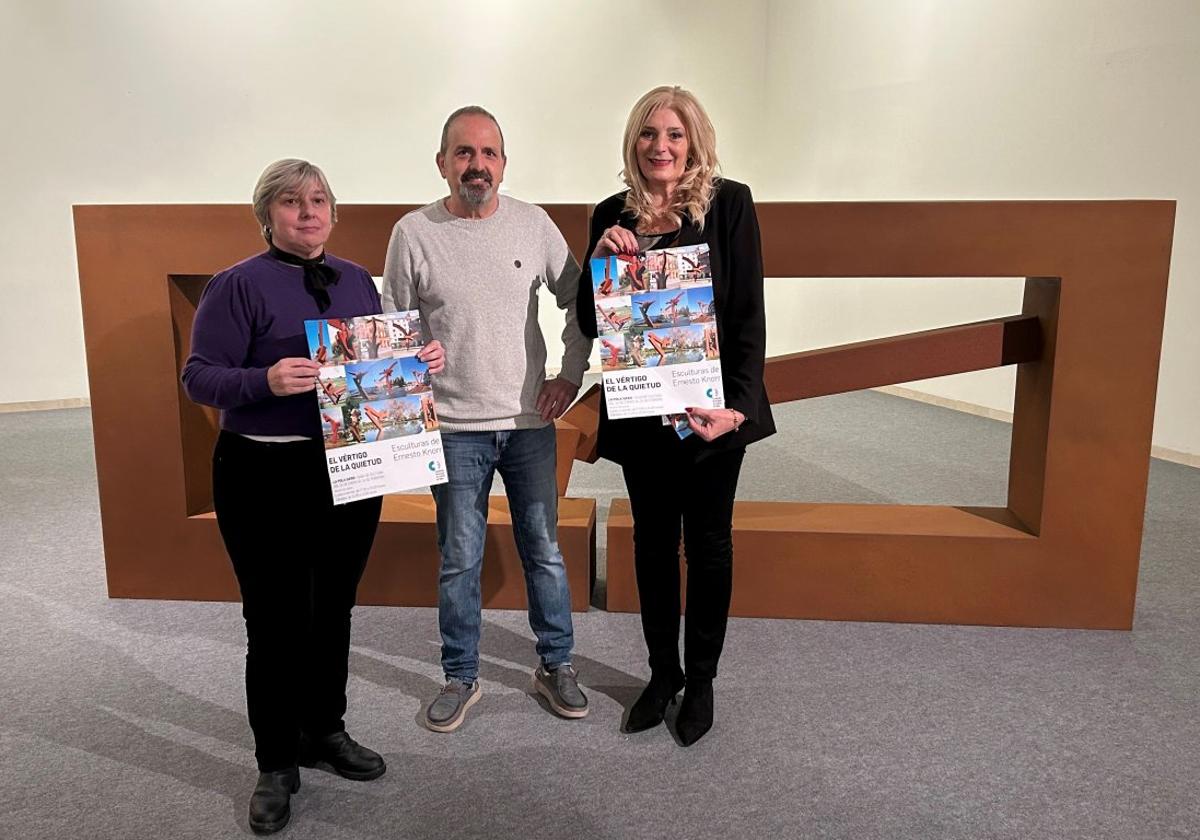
(526, 461)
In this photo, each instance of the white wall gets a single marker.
(944, 99)
(127, 101)
(147, 101)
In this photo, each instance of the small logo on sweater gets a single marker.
(517, 263)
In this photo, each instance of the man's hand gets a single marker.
(556, 396)
(710, 423)
(292, 376)
(433, 355)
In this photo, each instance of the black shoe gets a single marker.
(647, 711)
(270, 804)
(695, 712)
(343, 755)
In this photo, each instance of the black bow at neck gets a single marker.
(318, 276)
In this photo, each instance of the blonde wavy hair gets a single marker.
(694, 192)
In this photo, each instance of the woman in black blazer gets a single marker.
(675, 198)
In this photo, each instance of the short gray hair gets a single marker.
(466, 111)
(283, 176)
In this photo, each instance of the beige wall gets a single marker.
(967, 99)
(848, 99)
(126, 101)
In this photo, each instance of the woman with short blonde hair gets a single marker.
(287, 176)
(297, 557)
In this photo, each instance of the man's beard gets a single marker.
(475, 195)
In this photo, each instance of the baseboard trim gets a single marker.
(945, 402)
(1175, 456)
(44, 405)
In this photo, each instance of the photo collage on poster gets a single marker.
(657, 331)
(378, 415)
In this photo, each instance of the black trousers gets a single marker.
(298, 559)
(668, 494)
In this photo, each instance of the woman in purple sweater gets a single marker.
(297, 557)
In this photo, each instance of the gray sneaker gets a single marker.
(446, 712)
(561, 691)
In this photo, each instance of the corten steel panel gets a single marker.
(1064, 553)
(782, 552)
(584, 419)
(409, 576)
(904, 358)
(141, 269)
(404, 566)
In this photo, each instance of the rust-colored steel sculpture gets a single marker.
(1063, 552)
(141, 271)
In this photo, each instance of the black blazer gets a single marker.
(731, 231)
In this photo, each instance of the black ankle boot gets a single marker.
(343, 755)
(695, 712)
(647, 711)
(270, 804)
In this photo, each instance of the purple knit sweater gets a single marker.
(251, 316)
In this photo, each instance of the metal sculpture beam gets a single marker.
(904, 358)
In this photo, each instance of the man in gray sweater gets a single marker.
(472, 264)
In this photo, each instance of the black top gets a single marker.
(731, 232)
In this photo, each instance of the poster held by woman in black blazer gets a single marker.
(676, 198)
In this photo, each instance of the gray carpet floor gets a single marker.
(126, 719)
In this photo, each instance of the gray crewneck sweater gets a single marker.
(475, 282)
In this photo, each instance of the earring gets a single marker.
(267, 231)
